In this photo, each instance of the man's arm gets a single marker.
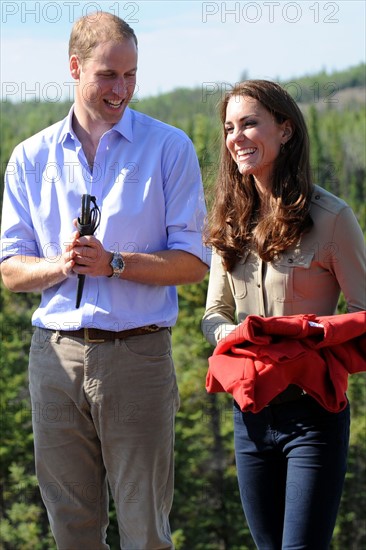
(87, 256)
(163, 268)
(33, 274)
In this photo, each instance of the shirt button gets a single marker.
(317, 197)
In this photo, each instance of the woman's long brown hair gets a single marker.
(235, 224)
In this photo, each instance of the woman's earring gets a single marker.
(282, 148)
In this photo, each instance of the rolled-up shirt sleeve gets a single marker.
(185, 203)
(17, 232)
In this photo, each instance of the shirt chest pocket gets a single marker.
(242, 275)
(289, 276)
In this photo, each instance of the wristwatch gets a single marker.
(117, 264)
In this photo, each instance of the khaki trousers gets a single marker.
(103, 413)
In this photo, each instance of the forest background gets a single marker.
(207, 514)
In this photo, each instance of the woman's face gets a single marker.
(254, 138)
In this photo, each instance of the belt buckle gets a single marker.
(151, 328)
(92, 340)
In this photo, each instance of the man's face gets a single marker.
(106, 81)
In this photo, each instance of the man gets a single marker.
(101, 374)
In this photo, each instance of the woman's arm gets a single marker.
(219, 318)
(347, 255)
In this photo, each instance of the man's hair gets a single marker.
(96, 28)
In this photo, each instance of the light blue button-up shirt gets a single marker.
(147, 184)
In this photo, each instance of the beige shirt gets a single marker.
(307, 278)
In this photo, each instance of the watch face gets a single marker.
(117, 264)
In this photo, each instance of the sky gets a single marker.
(183, 44)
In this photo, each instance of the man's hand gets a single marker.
(90, 257)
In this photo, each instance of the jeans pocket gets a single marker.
(40, 340)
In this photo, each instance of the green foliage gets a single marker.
(24, 522)
(23, 527)
(338, 153)
(325, 88)
(207, 514)
(206, 486)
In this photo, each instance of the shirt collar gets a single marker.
(66, 131)
(123, 126)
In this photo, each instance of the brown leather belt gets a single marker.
(291, 393)
(97, 336)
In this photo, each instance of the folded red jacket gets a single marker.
(262, 356)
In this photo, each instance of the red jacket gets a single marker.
(262, 356)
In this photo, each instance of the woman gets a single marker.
(281, 246)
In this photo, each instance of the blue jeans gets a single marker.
(291, 462)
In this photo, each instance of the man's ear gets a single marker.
(75, 67)
(287, 131)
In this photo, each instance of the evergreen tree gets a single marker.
(207, 513)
